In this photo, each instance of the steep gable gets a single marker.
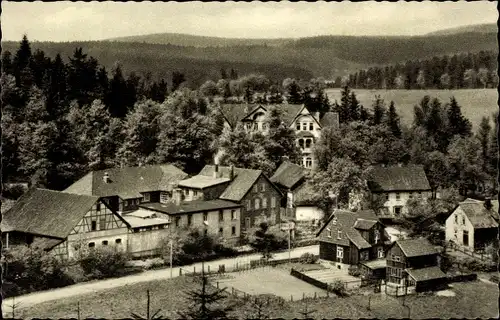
(478, 215)
(289, 174)
(398, 178)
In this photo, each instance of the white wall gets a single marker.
(403, 198)
(307, 213)
(459, 226)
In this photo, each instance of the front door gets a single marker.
(466, 238)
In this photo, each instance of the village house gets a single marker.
(413, 266)
(473, 224)
(258, 196)
(398, 184)
(123, 189)
(351, 238)
(61, 223)
(307, 125)
(291, 179)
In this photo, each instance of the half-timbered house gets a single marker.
(62, 223)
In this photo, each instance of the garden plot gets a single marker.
(270, 280)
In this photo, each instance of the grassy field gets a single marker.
(472, 300)
(475, 103)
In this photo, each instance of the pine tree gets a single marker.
(294, 95)
(343, 109)
(223, 74)
(457, 123)
(233, 75)
(23, 55)
(7, 63)
(177, 79)
(354, 107)
(484, 135)
(116, 99)
(378, 110)
(392, 121)
(206, 301)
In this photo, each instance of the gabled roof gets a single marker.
(243, 181)
(128, 182)
(289, 174)
(190, 206)
(47, 213)
(330, 119)
(345, 222)
(201, 182)
(416, 247)
(425, 274)
(478, 215)
(363, 224)
(398, 178)
(234, 113)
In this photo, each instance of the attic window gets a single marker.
(311, 126)
(339, 234)
(329, 235)
(334, 221)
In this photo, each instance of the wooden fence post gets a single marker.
(314, 295)
(194, 269)
(208, 269)
(180, 272)
(291, 297)
(217, 284)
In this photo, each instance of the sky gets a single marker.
(79, 21)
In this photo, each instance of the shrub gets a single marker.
(13, 191)
(354, 271)
(479, 266)
(338, 288)
(308, 258)
(102, 262)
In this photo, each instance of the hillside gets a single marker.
(480, 28)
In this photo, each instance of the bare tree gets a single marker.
(149, 316)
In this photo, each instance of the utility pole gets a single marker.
(171, 258)
(289, 243)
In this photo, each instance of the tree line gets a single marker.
(459, 71)
(440, 138)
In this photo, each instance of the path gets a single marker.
(151, 275)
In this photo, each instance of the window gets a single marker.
(339, 234)
(233, 214)
(340, 252)
(205, 216)
(164, 197)
(249, 205)
(105, 243)
(233, 230)
(304, 126)
(98, 206)
(334, 221)
(329, 235)
(221, 231)
(308, 143)
(380, 253)
(91, 244)
(301, 143)
(463, 220)
(190, 219)
(456, 218)
(420, 194)
(298, 126)
(397, 210)
(455, 233)
(308, 162)
(377, 236)
(247, 223)
(264, 203)
(311, 126)
(410, 195)
(146, 197)
(177, 221)
(396, 258)
(205, 232)
(263, 187)
(93, 226)
(256, 188)
(257, 204)
(398, 196)
(221, 215)
(386, 196)
(273, 202)
(118, 241)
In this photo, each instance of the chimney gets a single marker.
(106, 178)
(177, 196)
(231, 173)
(216, 171)
(487, 204)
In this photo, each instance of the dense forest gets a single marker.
(459, 71)
(62, 119)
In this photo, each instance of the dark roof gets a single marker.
(243, 181)
(201, 182)
(330, 119)
(425, 274)
(363, 224)
(346, 221)
(47, 212)
(46, 243)
(416, 247)
(234, 113)
(375, 264)
(289, 174)
(128, 182)
(190, 206)
(478, 215)
(302, 195)
(396, 178)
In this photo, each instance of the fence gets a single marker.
(471, 253)
(462, 277)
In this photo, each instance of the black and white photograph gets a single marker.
(249, 160)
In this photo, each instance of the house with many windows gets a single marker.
(473, 224)
(413, 266)
(398, 184)
(61, 223)
(351, 238)
(258, 196)
(307, 125)
(123, 189)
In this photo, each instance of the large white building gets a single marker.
(307, 125)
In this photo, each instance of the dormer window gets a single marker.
(298, 126)
(339, 234)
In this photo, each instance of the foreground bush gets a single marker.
(308, 258)
(29, 269)
(354, 271)
(102, 262)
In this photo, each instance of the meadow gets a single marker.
(475, 103)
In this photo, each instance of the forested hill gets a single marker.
(484, 28)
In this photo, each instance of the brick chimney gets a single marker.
(216, 171)
(106, 178)
(231, 173)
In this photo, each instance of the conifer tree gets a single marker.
(484, 135)
(392, 121)
(457, 123)
(379, 110)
